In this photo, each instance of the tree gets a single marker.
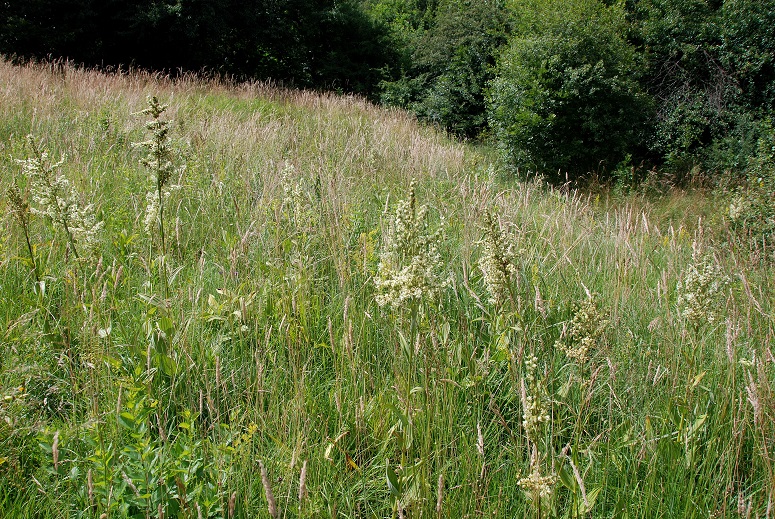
(566, 97)
(308, 43)
(747, 48)
(450, 61)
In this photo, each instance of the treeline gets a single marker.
(331, 44)
(563, 87)
(571, 87)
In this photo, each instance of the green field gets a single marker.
(306, 306)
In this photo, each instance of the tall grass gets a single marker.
(267, 355)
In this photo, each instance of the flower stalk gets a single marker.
(20, 208)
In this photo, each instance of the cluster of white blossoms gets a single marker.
(159, 157)
(296, 206)
(152, 212)
(534, 412)
(55, 198)
(498, 262)
(534, 416)
(535, 484)
(585, 332)
(410, 267)
(700, 290)
(158, 160)
(736, 208)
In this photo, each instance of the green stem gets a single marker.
(161, 218)
(163, 265)
(70, 238)
(32, 255)
(412, 338)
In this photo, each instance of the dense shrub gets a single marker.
(752, 209)
(566, 96)
(450, 63)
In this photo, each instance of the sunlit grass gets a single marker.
(268, 343)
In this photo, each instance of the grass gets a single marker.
(270, 345)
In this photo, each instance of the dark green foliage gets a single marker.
(709, 67)
(566, 98)
(748, 50)
(752, 209)
(308, 43)
(693, 92)
(450, 65)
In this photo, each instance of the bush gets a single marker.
(566, 97)
(752, 208)
(451, 63)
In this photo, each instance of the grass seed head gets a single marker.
(270, 500)
(303, 482)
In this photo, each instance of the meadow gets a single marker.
(236, 300)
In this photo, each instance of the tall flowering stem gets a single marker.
(55, 199)
(158, 160)
(701, 290)
(20, 208)
(535, 416)
(498, 263)
(410, 269)
(585, 333)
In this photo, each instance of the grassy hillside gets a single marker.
(338, 313)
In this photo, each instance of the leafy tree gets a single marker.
(710, 67)
(747, 49)
(566, 97)
(450, 63)
(692, 90)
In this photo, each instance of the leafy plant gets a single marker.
(752, 208)
(566, 96)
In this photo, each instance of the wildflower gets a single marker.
(534, 412)
(736, 208)
(159, 162)
(159, 158)
(497, 263)
(700, 290)
(410, 267)
(152, 207)
(585, 332)
(55, 198)
(296, 206)
(534, 415)
(535, 484)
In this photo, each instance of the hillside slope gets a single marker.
(322, 309)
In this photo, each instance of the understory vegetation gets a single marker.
(226, 300)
